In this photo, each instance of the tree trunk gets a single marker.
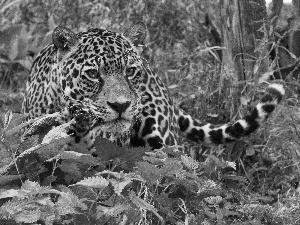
(296, 4)
(242, 22)
(275, 11)
(294, 37)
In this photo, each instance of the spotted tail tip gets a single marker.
(279, 87)
(277, 90)
(273, 95)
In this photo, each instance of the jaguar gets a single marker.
(104, 72)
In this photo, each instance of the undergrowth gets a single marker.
(46, 185)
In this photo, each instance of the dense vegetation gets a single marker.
(253, 181)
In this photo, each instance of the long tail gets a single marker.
(230, 132)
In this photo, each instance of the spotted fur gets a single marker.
(103, 72)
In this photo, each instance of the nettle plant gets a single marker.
(45, 185)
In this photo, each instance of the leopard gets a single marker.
(104, 72)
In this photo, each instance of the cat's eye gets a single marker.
(130, 71)
(92, 73)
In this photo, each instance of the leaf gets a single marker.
(17, 119)
(10, 4)
(206, 185)
(170, 168)
(214, 54)
(110, 151)
(219, 163)
(149, 172)
(189, 162)
(234, 177)
(43, 124)
(157, 156)
(165, 203)
(256, 67)
(47, 151)
(111, 211)
(140, 203)
(213, 200)
(63, 207)
(244, 100)
(40, 153)
(33, 188)
(28, 216)
(12, 206)
(119, 185)
(121, 175)
(84, 192)
(173, 86)
(121, 180)
(44, 201)
(19, 209)
(31, 160)
(26, 63)
(30, 143)
(231, 164)
(18, 128)
(71, 169)
(172, 71)
(265, 76)
(48, 180)
(107, 149)
(49, 219)
(57, 133)
(51, 23)
(11, 193)
(80, 157)
(212, 115)
(13, 50)
(68, 203)
(94, 182)
(116, 175)
(23, 42)
(30, 186)
(7, 118)
(250, 151)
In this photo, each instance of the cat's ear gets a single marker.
(136, 33)
(64, 39)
